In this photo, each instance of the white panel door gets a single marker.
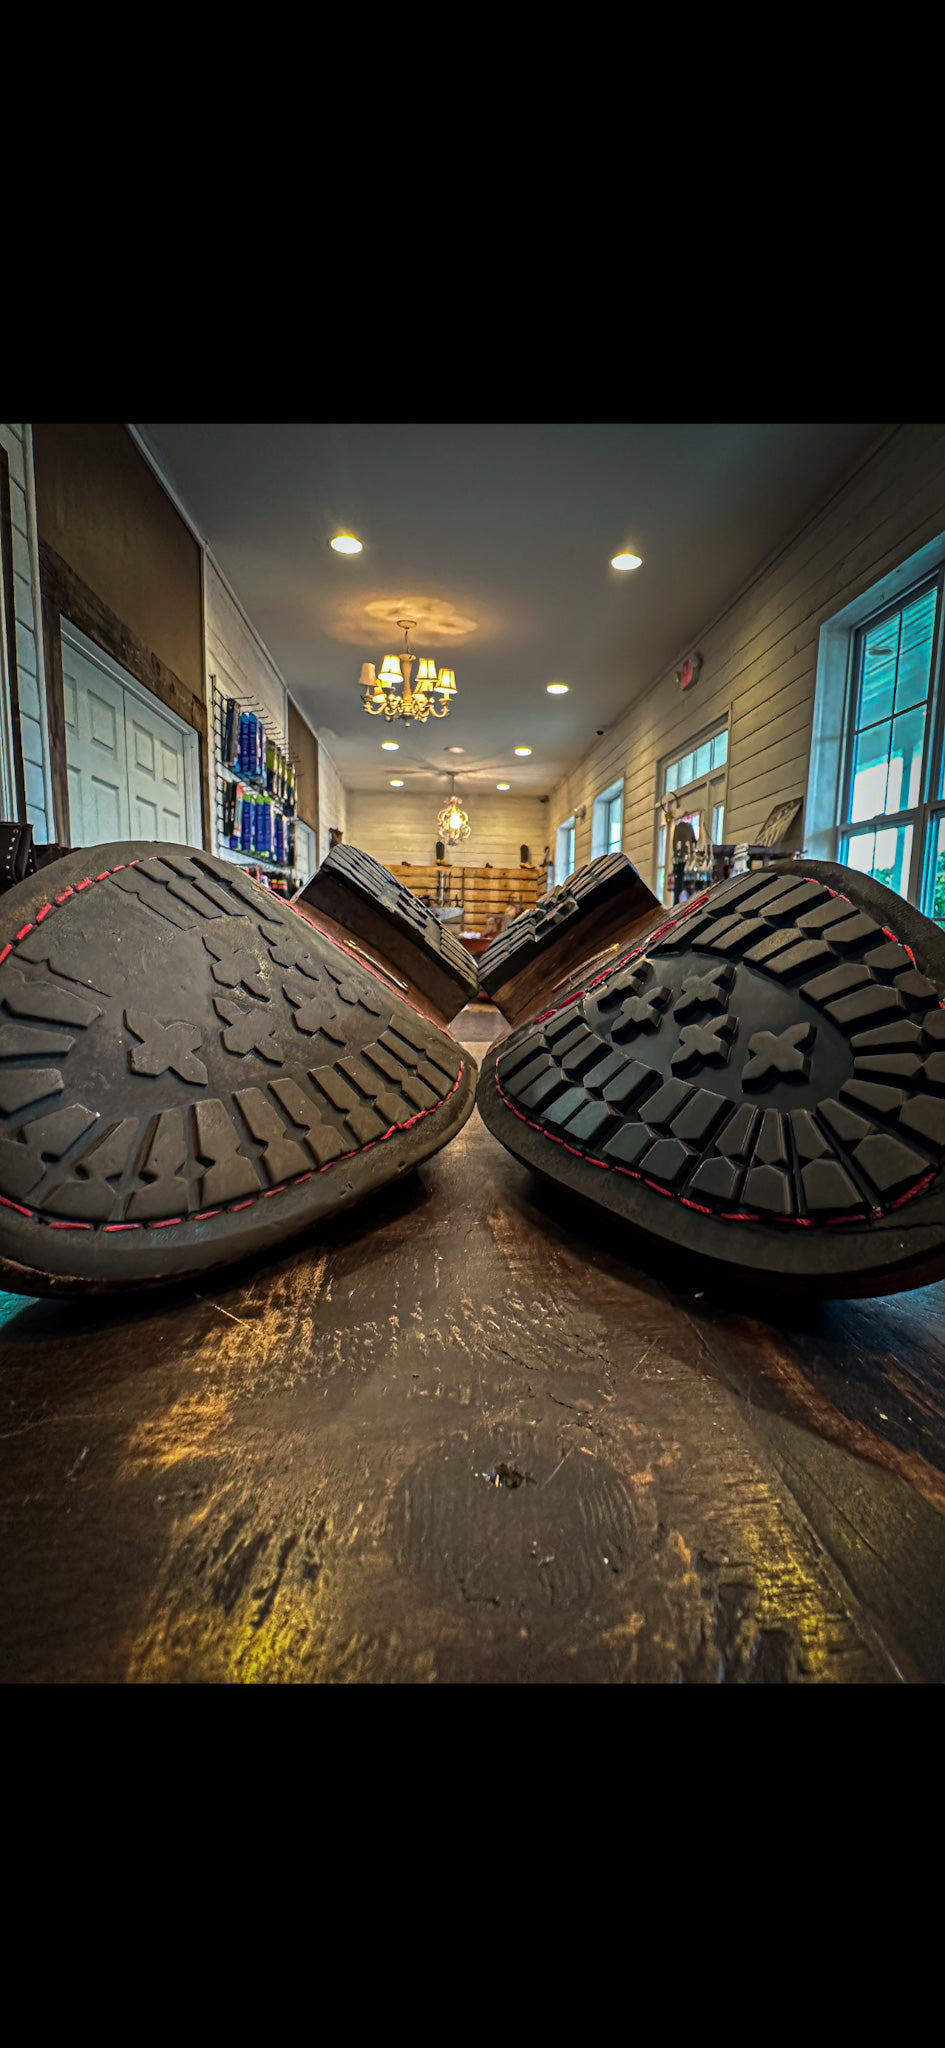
(155, 774)
(127, 758)
(96, 756)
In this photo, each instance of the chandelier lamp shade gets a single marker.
(452, 822)
(390, 693)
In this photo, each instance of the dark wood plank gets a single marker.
(56, 719)
(464, 1436)
(77, 602)
(9, 606)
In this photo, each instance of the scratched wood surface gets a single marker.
(470, 1434)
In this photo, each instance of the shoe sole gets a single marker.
(600, 905)
(761, 1081)
(352, 895)
(190, 1073)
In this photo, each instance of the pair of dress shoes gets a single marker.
(192, 1070)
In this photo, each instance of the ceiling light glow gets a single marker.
(557, 689)
(345, 544)
(628, 560)
(523, 750)
(503, 785)
(390, 746)
(396, 782)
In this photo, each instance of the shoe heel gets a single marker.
(601, 906)
(358, 903)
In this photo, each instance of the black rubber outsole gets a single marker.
(545, 933)
(190, 1073)
(356, 892)
(760, 1081)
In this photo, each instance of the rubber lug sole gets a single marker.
(597, 909)
(352, 894)
(190, 1073)
(760, 1082)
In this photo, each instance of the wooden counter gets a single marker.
(472, 1433)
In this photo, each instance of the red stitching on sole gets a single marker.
(611, 1165)
(165, 1223)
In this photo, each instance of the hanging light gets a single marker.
(390, 692)
(452, 823)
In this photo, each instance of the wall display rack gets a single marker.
(255, 785)
(479, 894)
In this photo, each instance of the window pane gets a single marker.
(915, 651)
(717, 817)
(672, 776)
(884, 854)
(720, 749)
(685, 770)
(878, 679)
(703, 758)
(870, 761)
(905, 762)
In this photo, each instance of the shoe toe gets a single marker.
(762, 1081)
(190, 1072)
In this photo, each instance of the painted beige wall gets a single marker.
(760, 658)
(398, 825)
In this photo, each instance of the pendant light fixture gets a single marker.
(390, 692)
(452, 823)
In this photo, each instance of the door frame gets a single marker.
(130, 684)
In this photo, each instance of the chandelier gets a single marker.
(452, 822)
(391, 693)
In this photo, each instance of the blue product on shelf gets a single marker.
(247, 823)
(260, 750)
(230, 733)
(242, 744)
(279, 837)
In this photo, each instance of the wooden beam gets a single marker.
(9, 606)
(77, 602)
(56, 721)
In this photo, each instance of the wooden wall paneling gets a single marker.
(64, 592)
(760, 656)
(56, 719)
(9, 608)
(303, 749)
(103, 511)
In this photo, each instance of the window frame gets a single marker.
(601, 820)
(691, 793)
(924, 814)
(562, 871)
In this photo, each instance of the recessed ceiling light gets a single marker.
(345, 544)
(454, 750)
(628, 560)
(503, 785)
(390, 746)
(523, 750)
(557, 689)
(396, 782)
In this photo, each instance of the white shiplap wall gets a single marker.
(760, 658)
(398, 825)
(332, 802)
(29, 635)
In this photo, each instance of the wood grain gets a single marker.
(462, 1435)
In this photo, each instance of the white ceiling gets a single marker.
(497, 540)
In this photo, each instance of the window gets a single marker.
(564, 851)
(607, 824)
(892, 796)
(697, 780)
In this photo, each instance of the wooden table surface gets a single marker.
(469, 1434)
